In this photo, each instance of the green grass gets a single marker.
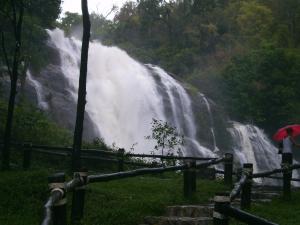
(122, 202)
(280, 210)
(21, 197)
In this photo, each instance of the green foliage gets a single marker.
(264, 87)
(70, 22)
(28, 190)
(167, 138)
(31, 125)
(38, 15)
(254, 21)
(279, 211)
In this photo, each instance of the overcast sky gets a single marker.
(99, 6)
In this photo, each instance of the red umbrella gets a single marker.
(282, 133)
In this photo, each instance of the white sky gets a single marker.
(99, 6)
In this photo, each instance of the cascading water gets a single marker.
(39, 90)
(251, 145)
(123, 96)
(211, 121)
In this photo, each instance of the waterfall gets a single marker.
(211, 120)
(42, 104)
(251, 145)
(123, 95)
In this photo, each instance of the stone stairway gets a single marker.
(202, 214)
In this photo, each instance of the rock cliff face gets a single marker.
(49, 90)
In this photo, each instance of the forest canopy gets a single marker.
(246, 50)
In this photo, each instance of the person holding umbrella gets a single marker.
(286, 136)
(287, 147)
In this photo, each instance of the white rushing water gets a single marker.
(251, 145)
(211, 121)
(123, 95)
(42, 104)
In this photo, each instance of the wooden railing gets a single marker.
(223, 209)
(119, 157)
(56, 210)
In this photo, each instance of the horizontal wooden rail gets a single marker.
(51, 152)
(167, 157)
(98, 158)
(281, 178)
(138, 172)
(268, 173)
(209, 163)
(132, 173)
(244, 216)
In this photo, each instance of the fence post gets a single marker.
(246, 189)
(121, 152)
(59, 210)
(228, 168)
(220, 201)
(189, 180)
(78, 197)
(26, 156)
(287, 175)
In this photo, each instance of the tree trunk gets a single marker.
(77, 142)
(17, 23)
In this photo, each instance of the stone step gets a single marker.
(190, 210)
(161, 220)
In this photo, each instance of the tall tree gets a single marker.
(16, 18)
(77, 142)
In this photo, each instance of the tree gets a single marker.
(255, 22)
(167, 138)
(16, 18)
(264, 87)
(21, 38)
(70, 21)
(77, 142)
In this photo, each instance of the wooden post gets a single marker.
(78, 197)
(220, 201)
(228, 168)
(246, 189)
(121, 153)
(189, 180)
(26, 156)
(287, 175)
(59, 210)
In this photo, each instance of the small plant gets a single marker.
(168, 139)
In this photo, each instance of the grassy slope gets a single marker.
(280, 210)
(123, 202)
